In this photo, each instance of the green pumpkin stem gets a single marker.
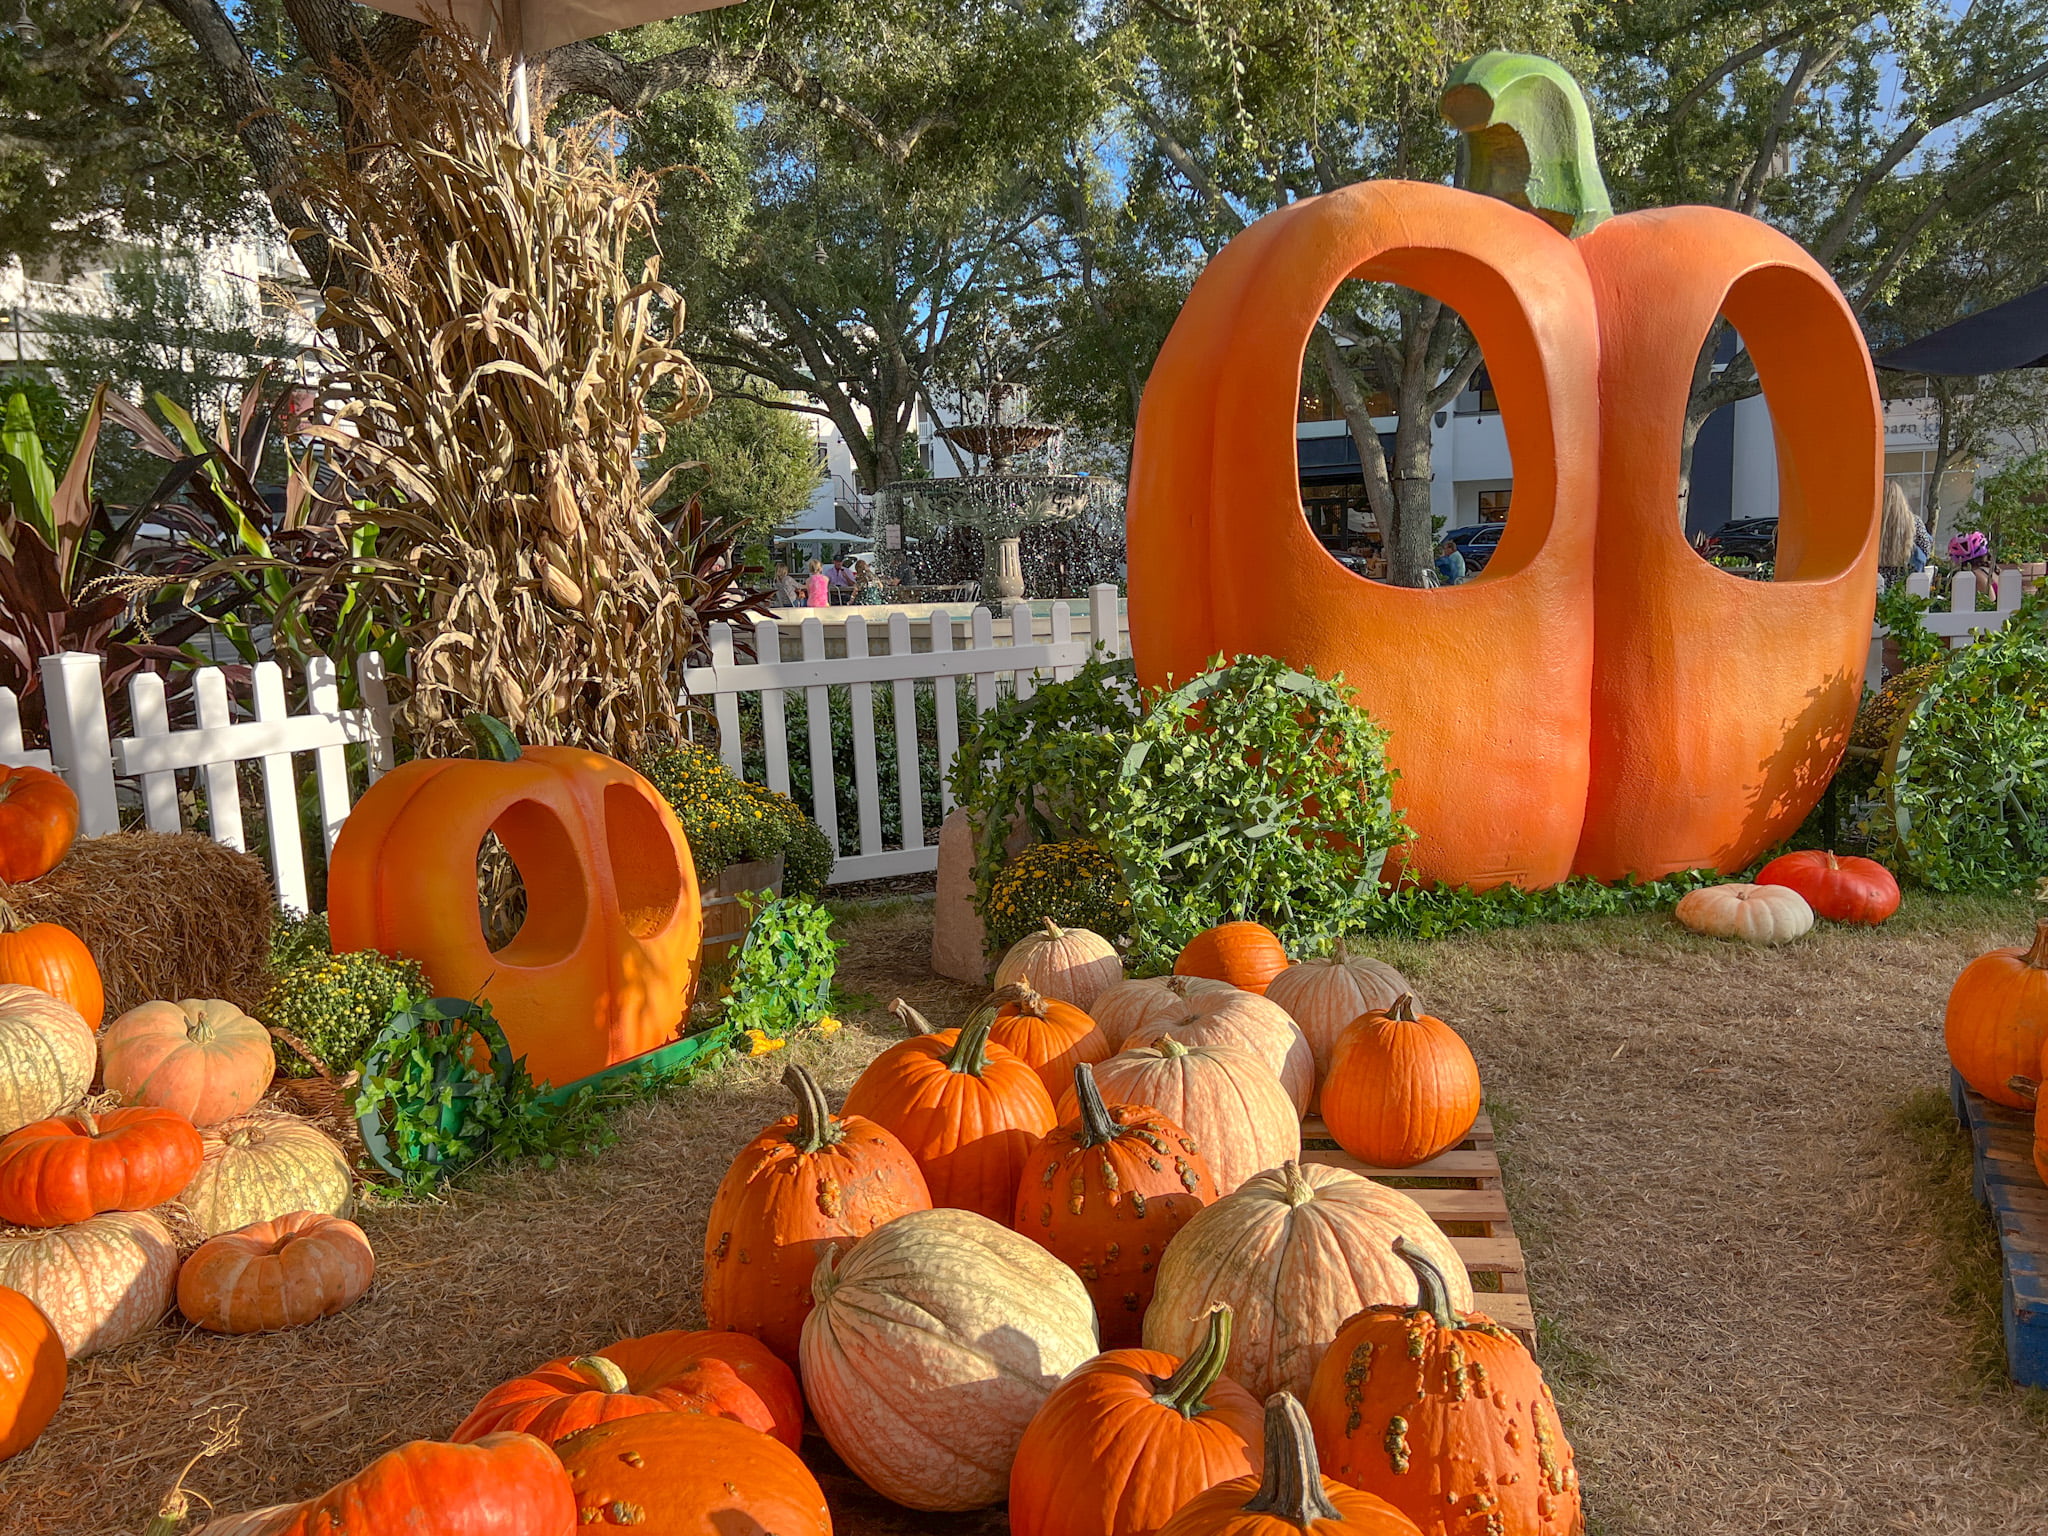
(1433, 1295)
(492, 738)
(911, 1019)
(1296, 1188)
(1292, 1487)
(604, 1372)
(1528, 139)
(815, 1127)
(1185, 1390)
(1098, 1126)
(970, 1048)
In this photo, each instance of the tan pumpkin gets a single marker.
(1294, 1252)
(100, 1282)
(1068, 965)
(1755, 914)
(276, 1274)
(1131, 1005)
(47, 1057)
(1225, 1098)
(1323, 996)
(261, 1167)
(204, 1058)
(1250, 1023)
(933, 1341)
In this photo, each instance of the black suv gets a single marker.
(1477, 544)
(1750, 538)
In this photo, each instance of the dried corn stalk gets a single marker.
(492, 371)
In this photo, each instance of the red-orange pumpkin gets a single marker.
(1104, 1193)
(807, 1183)
(1402, 1088)
(1052, 1037)
(727, 1375)
(1997, 1022)
(38, 823)
(276, 1274)
(51, 959)
(1847, 890)
(70, 1168)
(1247, 955)
(967, 1109)
(32, 1372)
(1292, 1498)
(1131, 1436)
(684, 1474)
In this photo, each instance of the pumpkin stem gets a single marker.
(492, 738)
(1020, 996)
(1528, 139)
(1185, 1389)
(85, 1119)
(1098, 1126)
(2037, 957)
(1178, 984)
(11, 921)
(1432, 1294)
(1403, 1011)
(1052, 929)
(1292, 1488)
(1340, 952)
(970, 1049)
(815, 1127)
(605, 1373)
(1170, 1047)
(911, 1019)
(1298, 1191)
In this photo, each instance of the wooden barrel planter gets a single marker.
(726, 921)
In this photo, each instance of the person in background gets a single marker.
(1970, 552)
(787, 593)
(1450, 565)
(866, 587)
(841, 576)
(819, 594)
(1923, 547)
(1896, 535)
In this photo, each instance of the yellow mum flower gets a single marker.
(756, 1043)
(828, 1025)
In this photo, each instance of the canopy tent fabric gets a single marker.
(2013, 335)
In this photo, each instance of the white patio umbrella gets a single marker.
(517, 28)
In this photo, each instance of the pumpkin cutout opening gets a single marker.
(525, 926)
(644, 864)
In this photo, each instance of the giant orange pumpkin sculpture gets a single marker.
(603, 967)
(1703, 718)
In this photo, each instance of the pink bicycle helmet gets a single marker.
(1965, 547)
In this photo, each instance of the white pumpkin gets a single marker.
(1225, 1098)
(1324, 996)
(934, 1340)
(1131, 1005)
(1250, 1023)
(47, 1056)
(260, 1167)
(1295, 1252)
(101, 1282)
(1068, 965)
(1755, 914)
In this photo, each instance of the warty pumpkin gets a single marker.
(32, 1372)
(1842, 890)
(1444, 1415)
(46, 1056)
(1130, 1005)
(1755, 914)
(1247, 955)
(1130, 1437)
(1104, 1193)
(808, 1183)
(684, 1474)
(52, 959)
(1227, 1101)
(727, 1375)
(276, 1274)
(203, 1058)
(1294, 1252)
(966, 1108)
(1291, 1497)
(1996, 1024)
(1403, 1088)
(72, 1167)
(1247, 1021)
(935, 1340)
(263, 1166)
(38, 823)
(100, 1283)
(1051, 1037)
(1068, 965)
(1324, 994)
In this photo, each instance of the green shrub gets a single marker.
(783, 978)
(730, 821)
(1899, 611)
(1076, 884)
(297, 936)
(336, 1004)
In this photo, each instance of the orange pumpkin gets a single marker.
(1227, 1099)
(808, 1183)
(1292, 1497)
(276, 1274)
(1403, 1088)
(684, 1474)
(968, 1110)
(602, 969)
(51, 959)
(1051, 1037)
(1997, 1021)
(204, 1059)
(1247, 955)
(32, 1372)
(1131, 1436)
(70, 1168)
(38, 823)
(1324, 995)
(1104, 1193)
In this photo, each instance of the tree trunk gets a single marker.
(1355, 403)
(1411, 544)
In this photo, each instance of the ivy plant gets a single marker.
(782, 981)
(1899, 611)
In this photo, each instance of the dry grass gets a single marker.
(1760, 1282)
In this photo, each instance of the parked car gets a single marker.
(1754, 539)
(1477, 544)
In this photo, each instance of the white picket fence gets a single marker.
(1960, 623)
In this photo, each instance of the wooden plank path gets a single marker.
(2003, 1179)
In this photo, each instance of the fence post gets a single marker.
(1104, 629)
(81, 747)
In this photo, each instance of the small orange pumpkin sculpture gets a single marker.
(1105, 1192)
(32, 1372)
(51, 959)
(809, 1182)
(1292, 1497)
(686, 1474)
(1997, 1021)
(604, 965)
(38, 823)
(724, 1374)
(1051, 1036)
(1446, 1417)
(1247, 955)
(966, 1108)
(1131, 1436)
(70, 1168)
(276, 1274)
(1402, 1087)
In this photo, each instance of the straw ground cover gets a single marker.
(1761, 1283)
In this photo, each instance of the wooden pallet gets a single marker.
(1461, 1190)
(2003, 1178)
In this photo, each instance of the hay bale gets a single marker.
(165, 915)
